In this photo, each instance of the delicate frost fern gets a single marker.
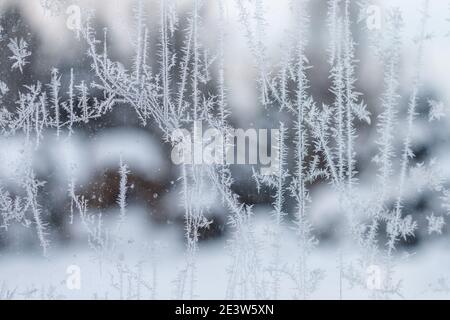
(276, 182)
(435, 224)
(20, 52)
(350, 95)
(253, 24)
(437, 110)
(395, 229)
(31, 186)
(122, 197)
(387, 119)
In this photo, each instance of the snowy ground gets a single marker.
(29, 275)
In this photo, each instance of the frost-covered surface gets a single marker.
(92, 204)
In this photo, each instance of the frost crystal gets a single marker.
(437, 110)
(3, 89)
(435, 224)
(19, 49)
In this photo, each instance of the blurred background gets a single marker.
(154, 234)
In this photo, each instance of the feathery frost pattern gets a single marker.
(333, 144)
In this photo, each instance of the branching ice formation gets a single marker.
(187, 85)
